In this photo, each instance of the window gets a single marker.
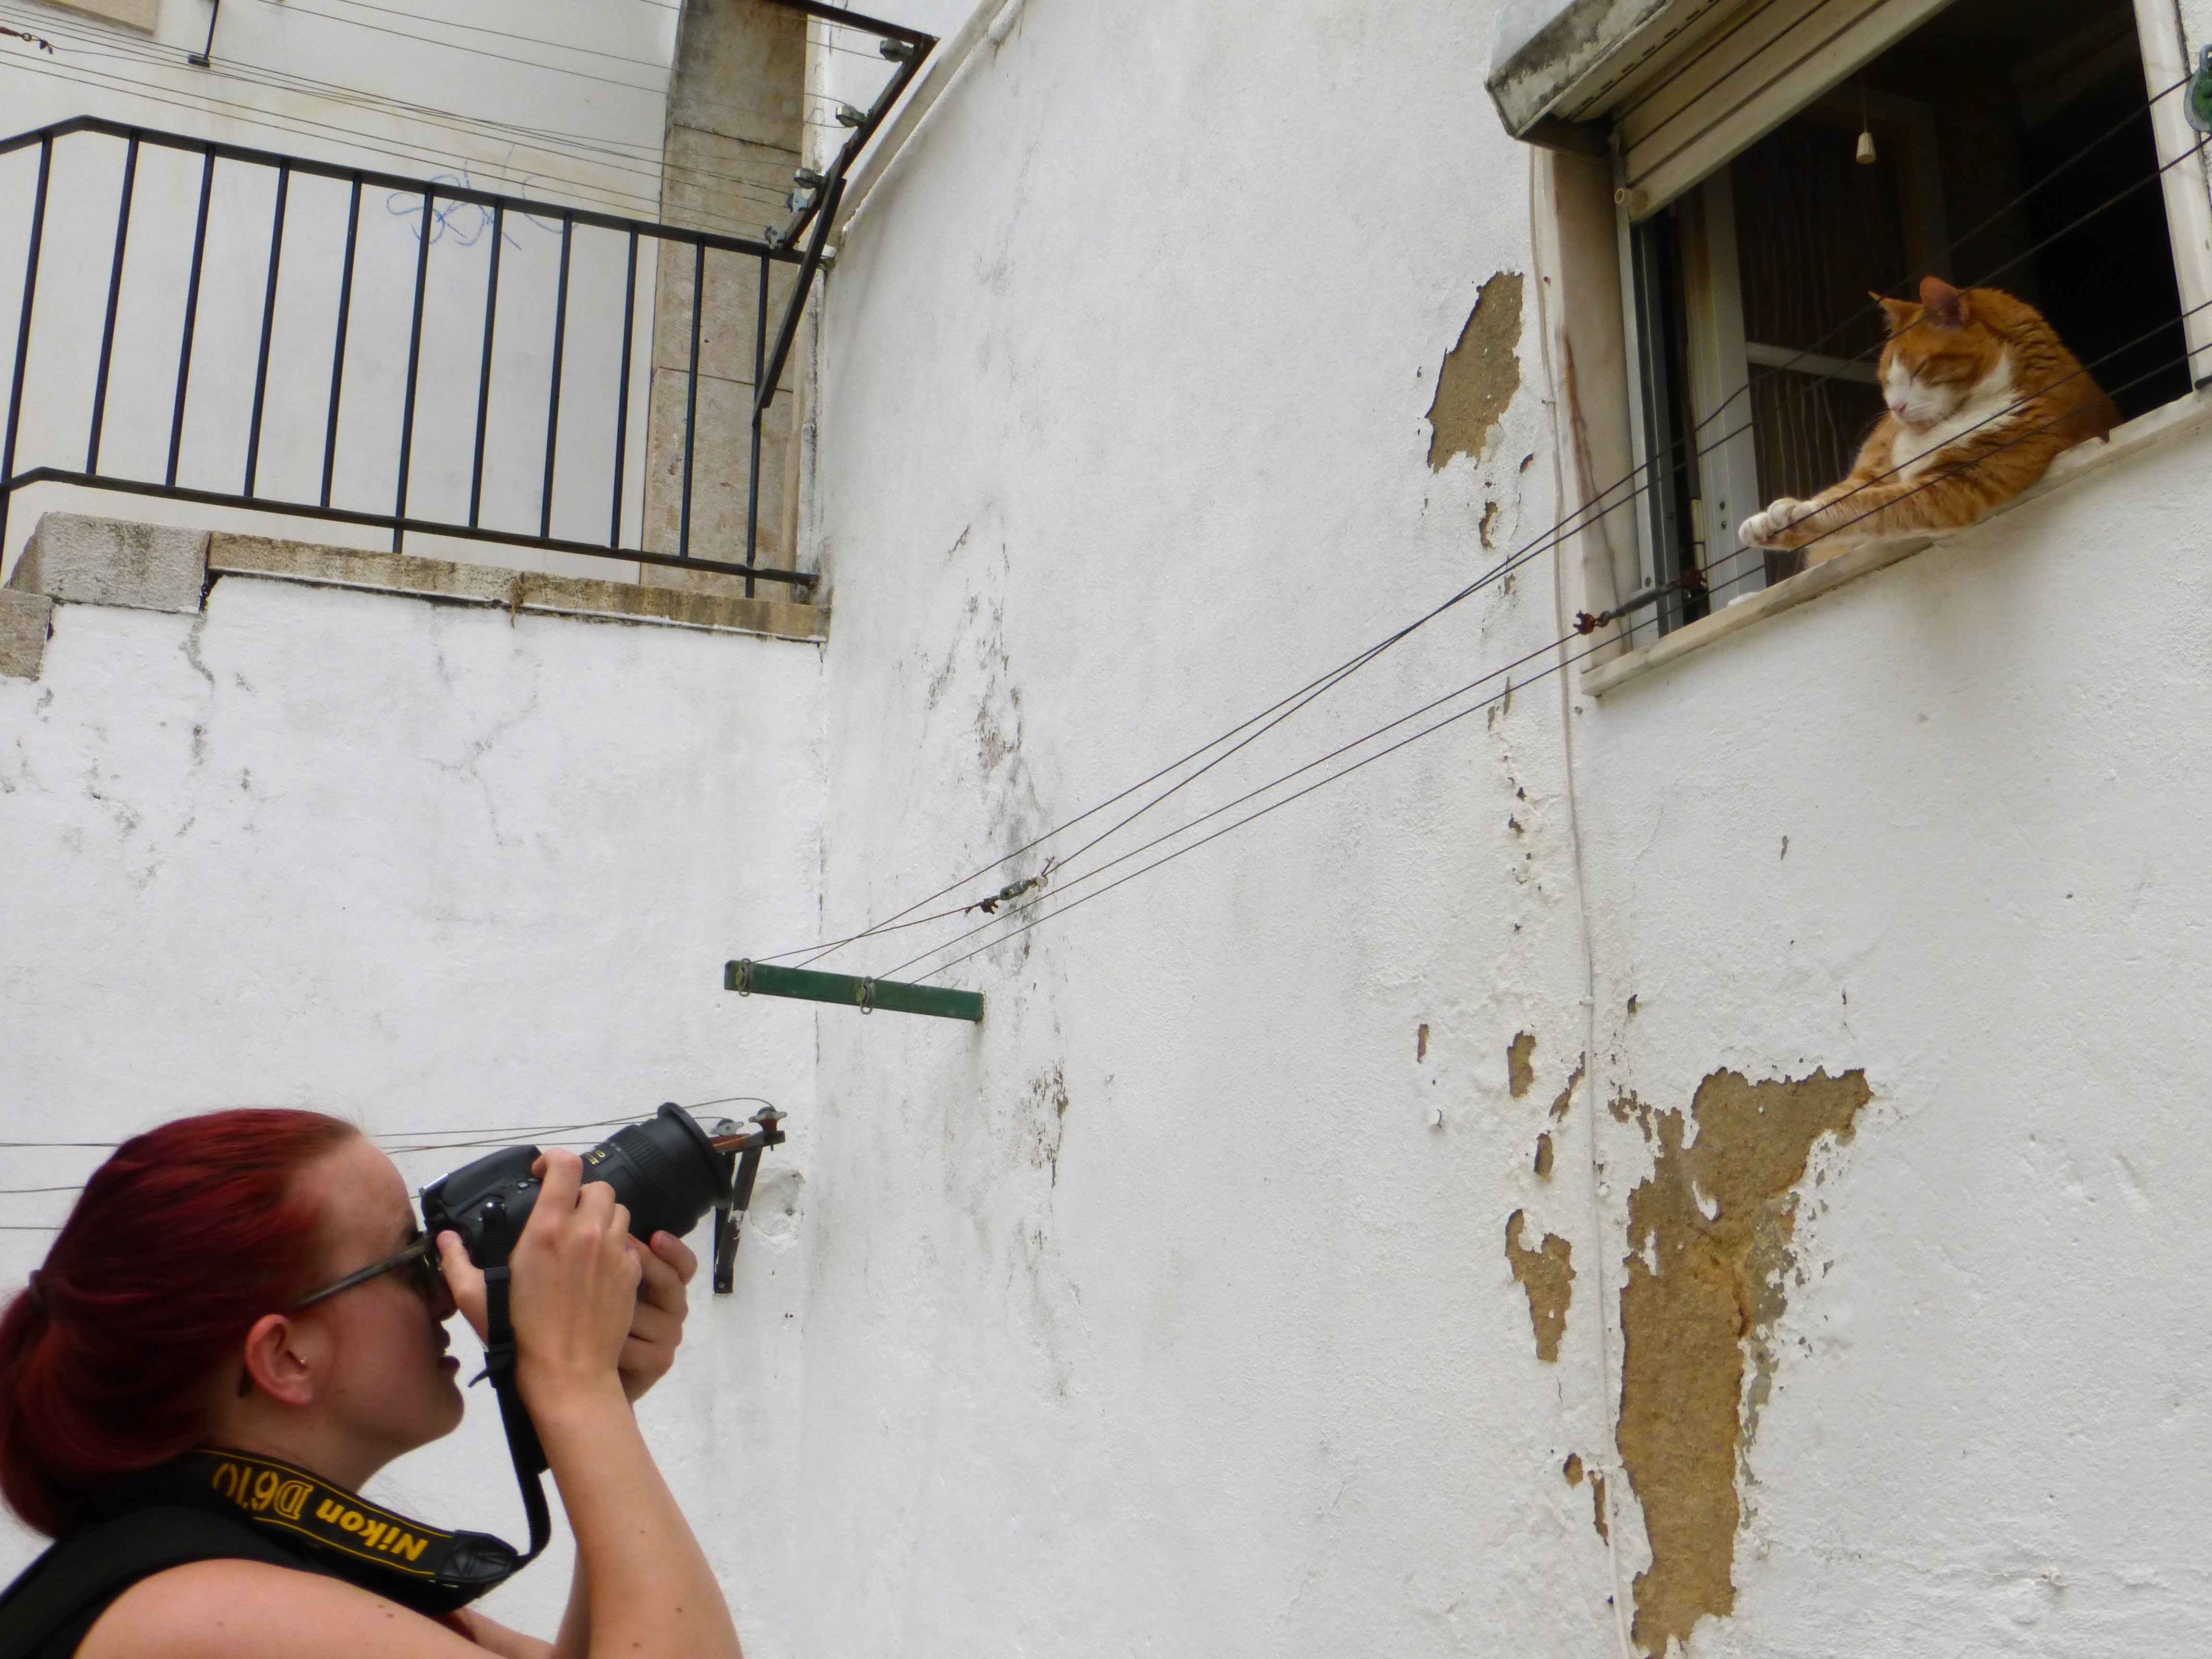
(2012, 145)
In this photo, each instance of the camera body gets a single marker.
(666, 1170)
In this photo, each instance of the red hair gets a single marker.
(177, 1244)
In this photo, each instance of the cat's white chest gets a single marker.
(1989, 405)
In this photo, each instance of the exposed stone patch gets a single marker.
(1548, 1275)
(1544, 1157)
(1520, 1064)
(1479, 374)
(1709, 1253)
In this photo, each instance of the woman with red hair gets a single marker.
(237, 1327)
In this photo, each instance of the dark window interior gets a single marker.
(2014, 150)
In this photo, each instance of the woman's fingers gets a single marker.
(663, 1275)
(575, 1282)
(677, 1254)
(656, 1326)
(464, 1279)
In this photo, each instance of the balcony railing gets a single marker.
(207, 323)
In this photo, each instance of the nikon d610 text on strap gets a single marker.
(423, 1567)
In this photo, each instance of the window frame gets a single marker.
(1711, 56)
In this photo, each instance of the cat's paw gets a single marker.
(1771, 527)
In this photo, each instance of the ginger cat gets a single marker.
(1982, 397)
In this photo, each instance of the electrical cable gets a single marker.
(573, 147)
(473, 28)
(105, 45)
(589, 148)
(292, 9)
(613, 198)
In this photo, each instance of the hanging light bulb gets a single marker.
(1866, 156)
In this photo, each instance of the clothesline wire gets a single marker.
(1996, 416)
(1588, 514)
(491, 1135)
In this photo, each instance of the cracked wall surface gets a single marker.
(422, 864)
(1710, 1252)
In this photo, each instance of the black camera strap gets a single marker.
(522, 1443)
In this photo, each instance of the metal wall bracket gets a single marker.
(747, 977)
(740, 1169)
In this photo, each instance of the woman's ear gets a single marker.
(280, 1360)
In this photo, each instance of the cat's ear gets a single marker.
(1946, 306)
(1898, 310)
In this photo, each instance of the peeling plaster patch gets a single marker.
(1421, 1041)
(1544, 1157)
(1479, 374)
(1597, 1507)
(1566, 1096)
(1573, 1470)
(1706, 1280)
(1489, 518)
(1520, 1064)
(1548, 1274)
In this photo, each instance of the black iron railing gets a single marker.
(521, 382)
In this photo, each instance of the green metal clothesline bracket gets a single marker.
(748, 978)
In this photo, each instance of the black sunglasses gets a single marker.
(418, 1258)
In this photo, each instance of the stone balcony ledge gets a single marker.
(72, 559)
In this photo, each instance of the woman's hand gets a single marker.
(656, 1326)
(574, 1289)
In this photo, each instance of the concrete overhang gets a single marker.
(1567, 61)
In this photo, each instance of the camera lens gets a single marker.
(665, 1170)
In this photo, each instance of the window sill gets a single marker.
(2183, 415)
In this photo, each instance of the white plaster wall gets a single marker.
(1122, 439)
(427, 867)
(1985, 1430)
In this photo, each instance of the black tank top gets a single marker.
(234, 1506)
(47, 1611)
